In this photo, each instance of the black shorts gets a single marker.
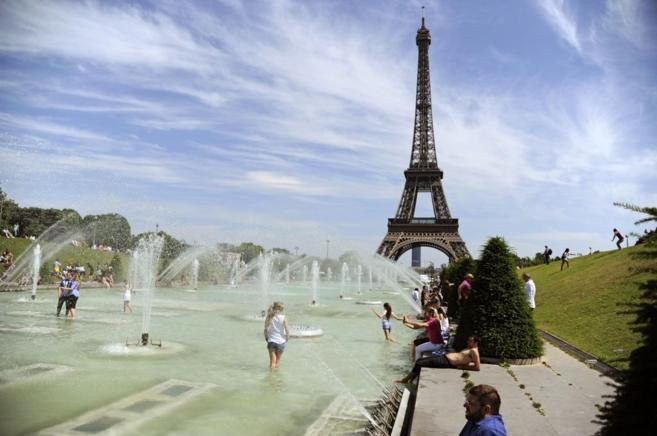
(71, 301)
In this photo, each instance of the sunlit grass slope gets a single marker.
(588, 304)
(69, 255)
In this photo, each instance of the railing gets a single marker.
(423, 221)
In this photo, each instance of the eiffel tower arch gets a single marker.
(406, 231)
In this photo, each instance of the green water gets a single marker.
(218, 347)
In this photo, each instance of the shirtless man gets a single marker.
(465, 359)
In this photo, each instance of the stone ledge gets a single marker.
(497, 361)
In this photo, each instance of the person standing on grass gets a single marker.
(546, 254)
(620, 237)
(276, 333)
(564, 258)
(482, 410)
(385, 320)
(530, 290)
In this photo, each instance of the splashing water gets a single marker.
(265, 263)
(36, 264)
(359, 272)
(144, 273)
(315, 283)
(344, 272)
(195, 266)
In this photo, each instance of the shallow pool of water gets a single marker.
(212, 376)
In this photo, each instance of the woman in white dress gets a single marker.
(276, 333)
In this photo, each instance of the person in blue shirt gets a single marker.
(482, 410)
(73, 296)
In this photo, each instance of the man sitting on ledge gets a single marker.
(465, 359)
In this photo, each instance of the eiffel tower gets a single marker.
(405, 231)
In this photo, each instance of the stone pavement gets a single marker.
(564, 389)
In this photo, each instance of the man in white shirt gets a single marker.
(530, 290)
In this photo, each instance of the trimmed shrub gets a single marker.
(497, 310)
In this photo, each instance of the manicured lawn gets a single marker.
(68, 255)
(588, 305)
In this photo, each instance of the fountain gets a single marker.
(185, 260)
(369, 273)
(287, 274)
(305, 273)
(195, 266)
(203, 328)
(144, 270)
(235, 273)
(359, 273)
(315, 284)
(36, 265)
(344, 273)
(329, 274)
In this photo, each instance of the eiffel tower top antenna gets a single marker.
(422, 16)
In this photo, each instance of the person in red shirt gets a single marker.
(465, 287)
(432, 326)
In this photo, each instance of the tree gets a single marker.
(110, 229)
(33, 221)
(249, 251)
(350, 257)
(652, 216)
(496, 309)
(630, 407)
(117, 267)
(8, 211)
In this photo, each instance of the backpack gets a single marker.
(549, 251)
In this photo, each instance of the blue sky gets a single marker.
(288, 123)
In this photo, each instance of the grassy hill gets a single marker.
(69, 255)
(588, 305)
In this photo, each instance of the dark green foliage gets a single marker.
(249, 251)
(8, 211)
(117, 267)
(631, 406)
(454, 274)
(110, 229)
(497, 311)
(33, 221)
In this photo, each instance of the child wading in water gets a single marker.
(385, 320)
(276, 333)
(127, 296)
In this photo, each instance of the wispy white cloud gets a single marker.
(560, 16)
(46, 126)
(304, 103)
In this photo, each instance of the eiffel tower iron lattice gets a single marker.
(405, 231)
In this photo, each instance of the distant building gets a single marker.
(416, 260)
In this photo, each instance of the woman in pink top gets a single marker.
(432, 326)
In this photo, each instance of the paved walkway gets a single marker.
(567, 390)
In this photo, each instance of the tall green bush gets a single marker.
(497, 310)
